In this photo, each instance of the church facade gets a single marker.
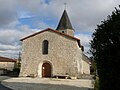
(54, 52)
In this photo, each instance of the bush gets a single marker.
(16, 71)
(96, 85)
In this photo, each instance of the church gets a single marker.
(50, 52)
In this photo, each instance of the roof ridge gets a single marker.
(55, 31)
(48, 30)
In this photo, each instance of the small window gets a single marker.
(63, 32)
(45, 47)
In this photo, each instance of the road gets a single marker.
(47, 84)
(1, 86)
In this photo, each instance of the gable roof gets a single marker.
(64, 22)
(5, 59)
(55, 31)
(49, 29)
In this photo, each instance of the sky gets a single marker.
(20, 18)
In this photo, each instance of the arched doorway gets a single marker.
(46, 70)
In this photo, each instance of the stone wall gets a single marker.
(64, 54)
(86, 68)
(67, 31)
(7, 65)
(86, 65)
(70, 32)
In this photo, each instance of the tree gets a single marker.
(105, 48)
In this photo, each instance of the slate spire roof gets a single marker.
(64, 22)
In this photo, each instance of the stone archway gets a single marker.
(46, 70)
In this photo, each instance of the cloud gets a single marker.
(6, 17)
(42, 25)
(87, 14)
(84, 13)
(10, 53)
(7, 12)
(84, 38)
(10, 50)
(10, 44)
(11, 37)
(9, 47)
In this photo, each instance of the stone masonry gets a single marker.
(64, 55)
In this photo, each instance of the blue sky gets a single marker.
(19, 18)
(31, 22)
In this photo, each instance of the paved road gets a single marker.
(1, 86)
(45, 84)
(33, 86)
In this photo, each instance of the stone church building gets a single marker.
(54, 52)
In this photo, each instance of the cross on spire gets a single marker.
(65, 5)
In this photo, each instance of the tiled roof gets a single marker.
(4, 59)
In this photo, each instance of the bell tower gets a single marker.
(65, 25)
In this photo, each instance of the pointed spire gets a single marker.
(64, 22)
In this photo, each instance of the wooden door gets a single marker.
(46, 70)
